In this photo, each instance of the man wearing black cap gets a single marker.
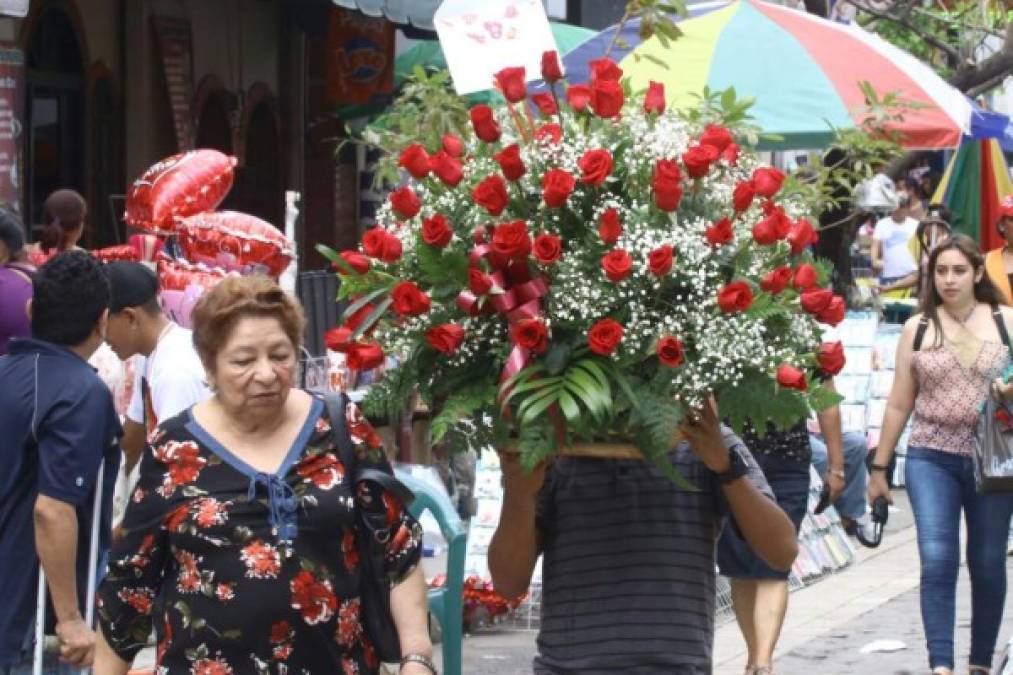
(170, 378)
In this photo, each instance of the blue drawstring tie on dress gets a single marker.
(281, 501)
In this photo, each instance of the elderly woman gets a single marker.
(239, 542)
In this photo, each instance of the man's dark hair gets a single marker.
(69, 294)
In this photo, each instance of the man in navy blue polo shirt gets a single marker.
(58, 424)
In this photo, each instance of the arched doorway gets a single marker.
(213, 128)
(259, 186)
(55, 110)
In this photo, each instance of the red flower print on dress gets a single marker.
(211, 512)
(349, 624)
(349, 666)
(184, 462)
(314, 598)
(262, 560)
(139, 496)
(217, 666)
(323, 426)
(188, 578)
(225, 592)
(139, 599)
(350, 550)
(176, 517)
(281, 640)
(163, 646)
(360, 429)
(324, 471)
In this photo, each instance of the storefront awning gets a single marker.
(418, 13)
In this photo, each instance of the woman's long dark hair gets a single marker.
(984, 291)
(64, 211)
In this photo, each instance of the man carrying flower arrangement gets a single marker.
(628, 580)
(585, 283)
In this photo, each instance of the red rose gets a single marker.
(364, 356)
(767, 180)
(666, 170)
(478, 234)
(354, 320)
(379, 243)
(791, 378)
(512, 241)
(654, 99)
(551, 71)
(484, 123)
(415, 160)
(782, 223)
(339, 338)
(735, 297)
(698, 160)
(806, 277)
(531, 334)
(801, 235)
(731, 154)
(510, 81)
(610, 229)
(491, 194)
(479, 282)
(777, 280)
(716, 136)
(720, 233)
(447, 168)
(666, 185)
(595, 166)
(605, 69)
(405, 202)
(670, 351)
(659, 261)
(358, 262)
(816, 300)
(436, 231)
(578, 96)
(606, 98)
(409, 300)
(445, 338)
(509, 159)
(830, 357)
(742, 196)
(834, 312)
(553, 133)
(453, 145)
(546, 103)
(557, 185)
(548, 249)
(605, 336)
(765, 232)
(617, 264)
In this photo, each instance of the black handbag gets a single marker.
(993, 447)
(372, 535)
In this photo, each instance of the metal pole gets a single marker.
(40, 624)
(96, 523)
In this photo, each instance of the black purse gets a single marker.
(372, 536)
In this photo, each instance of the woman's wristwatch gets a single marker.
(420, 659)
(880, 467)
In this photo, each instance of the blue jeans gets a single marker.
(851, 502)
(940, 484)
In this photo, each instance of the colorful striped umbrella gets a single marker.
(974, 184)
(803, 71)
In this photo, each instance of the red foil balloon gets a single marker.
(177, 187)
(235, 242)
(178, 275)
(121, 252)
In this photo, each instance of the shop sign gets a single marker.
(12, 96)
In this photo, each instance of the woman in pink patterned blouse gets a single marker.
(949, 355)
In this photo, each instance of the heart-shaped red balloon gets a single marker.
(177, 187)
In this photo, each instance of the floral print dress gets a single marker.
(240, 571)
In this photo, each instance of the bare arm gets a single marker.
(765, 527)
(830, 427)
(108, 662)
(409, 607)
(132, 444)
(56, 530)
(513, 550)
(876, 251)
(910, 281)
(898, 409)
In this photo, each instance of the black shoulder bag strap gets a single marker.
(1000, 324)
(372, 535)
(923, 324)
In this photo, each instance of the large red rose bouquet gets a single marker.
(588, 267)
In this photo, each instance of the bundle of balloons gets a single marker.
(174, 203)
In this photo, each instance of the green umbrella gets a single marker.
(429, 55)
